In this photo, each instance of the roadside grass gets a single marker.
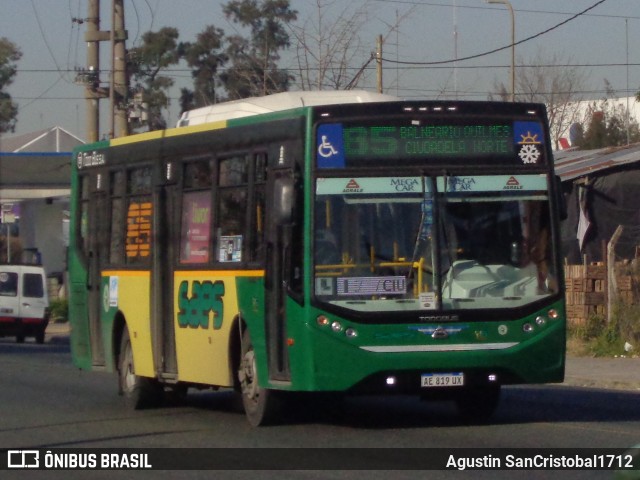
(59, 310)
(596, 338)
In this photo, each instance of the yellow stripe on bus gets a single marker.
(220, 273)
(172, 132)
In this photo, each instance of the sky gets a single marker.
(604, 42)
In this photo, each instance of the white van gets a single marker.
(24, 303)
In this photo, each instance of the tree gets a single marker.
(609, 123)
(159, 50)
(205, 57)
(254, 70)
(9, 54)
(554, 82)
(329, 50)
(327, 47)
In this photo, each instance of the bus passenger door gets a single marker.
(98, 231)
(164, 336)
(280, 194)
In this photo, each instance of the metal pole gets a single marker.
(379, 62)
(513, 44)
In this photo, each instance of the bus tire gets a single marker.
(261, 406)
(477, 404)
(138, 392)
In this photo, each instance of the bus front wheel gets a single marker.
(261, 405)
(138, 392)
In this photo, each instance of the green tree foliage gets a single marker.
(250, 63)
(9, 54)
(205, 57)
(254, 60)
(608, 124)
(145, 64)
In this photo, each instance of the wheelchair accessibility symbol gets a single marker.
(330, 146)
(325, 149)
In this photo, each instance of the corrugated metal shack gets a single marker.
(602, 189)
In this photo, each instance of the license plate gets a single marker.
(430, 380)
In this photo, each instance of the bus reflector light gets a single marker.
(351, 332)
(336, 326)
(322, 320)
(553, 314)
(527, 328)
(290, 342)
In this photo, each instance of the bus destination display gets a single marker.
(342, 145)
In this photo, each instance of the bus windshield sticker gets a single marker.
(493, 183)
(330, 146)
(230, 248)
(427, 300)
(371, 286)
(324, 286)
(368, 186)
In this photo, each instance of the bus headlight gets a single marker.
(540, 320)
(336, 326)
(351, 333)
(527, 328)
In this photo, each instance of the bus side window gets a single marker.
(118, 217)
(83, 231)
(139, 215)
(195, 233)
(257, 212)
(232, 208)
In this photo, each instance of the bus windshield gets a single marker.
(421, 243)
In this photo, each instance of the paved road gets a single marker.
(47, 403)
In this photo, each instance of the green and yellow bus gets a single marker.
(322, 242)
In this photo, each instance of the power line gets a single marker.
(471, 57)
(521, 10)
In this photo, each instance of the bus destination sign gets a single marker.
(341, 145)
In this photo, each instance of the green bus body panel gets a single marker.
(78, 295)
(537, 358)
(319, 356)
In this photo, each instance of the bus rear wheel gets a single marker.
(138, 392)
(261, 405)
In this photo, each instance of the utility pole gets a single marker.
(119, 84)
(379, 62)
(91, 76)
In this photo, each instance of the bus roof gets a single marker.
(278, 102)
